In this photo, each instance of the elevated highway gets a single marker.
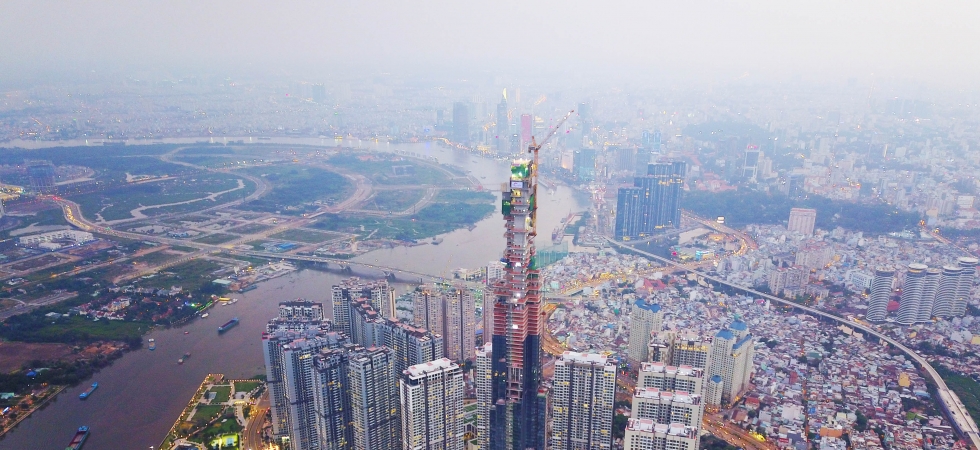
(950, 402)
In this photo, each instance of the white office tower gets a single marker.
(645, 434)
(680, 348)
(459, 325)
(912, 294)
(645, 318)
(432, 406)
(495, 271)
(881, 292)
(965, 286)
(582, 402)
(930, 291)
(374, 400)
(427, 309)
(731, 358)
(483, 379)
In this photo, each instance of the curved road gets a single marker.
(958, 414)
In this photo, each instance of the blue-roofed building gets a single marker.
(731, 359)
(645, 318)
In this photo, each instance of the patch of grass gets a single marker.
(204, 413)
(29, 328)
(216, 238)
(306, 236)
(191, 275)
(296, 187)
(394, 200)
(45, 217)
(117, 202)
(249, 228)
(155, 258)
(221, 393)
(379, 167)
(246, 386)
(966, 388)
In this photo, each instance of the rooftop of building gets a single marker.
(420, 370)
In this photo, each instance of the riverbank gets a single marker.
(50, 393)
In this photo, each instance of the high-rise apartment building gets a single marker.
(380, 294)
(668, 407)
(918, 294)
(427, 312)
(968, 267)
(671, 378)
(374, 401)
(331, 402)
(681, 348)
(646, 434)
(483, 379)
(461, 122)
(788, 281)
(582, 402)
(731, 358)
(301, 309)
(584, 164)
(651, 205)
(299, 381)
(459, 323)
(502, 122)
(645, 318)
(517, 420)
(432, 406)
(802, 220)
(881, 292)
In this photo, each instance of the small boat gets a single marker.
(180, 361)
(187, 332)
(80, 436)
(89, 391)
(205, 315)
(227, 326)
(153, 343)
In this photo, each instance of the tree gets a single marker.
(861, 424)
(619, 426)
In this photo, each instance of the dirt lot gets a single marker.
(13, 355)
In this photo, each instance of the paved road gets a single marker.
(951, 403)
(252, 434)
(26, 307)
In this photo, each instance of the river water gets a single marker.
(143, 392)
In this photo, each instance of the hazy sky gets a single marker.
(929, 41)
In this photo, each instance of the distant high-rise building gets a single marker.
(645, 318)
(584, 164)
(668, 407)
(517, 419)
(502, 133)
(582, 402)
(802, 220)
(750, 166)
(672, 378)
(646, 434)
(918, 294)
(881, 292)
(625, 158)
(652, 205)
(731, 358)
(483, 379)
(319, 93)
(794, 187)
(526, 125)
(461, 122)
(432, 406)
(374, 400)
(789, 281)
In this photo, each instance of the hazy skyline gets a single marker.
(703, 40)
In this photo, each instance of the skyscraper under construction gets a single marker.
(517, 412)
